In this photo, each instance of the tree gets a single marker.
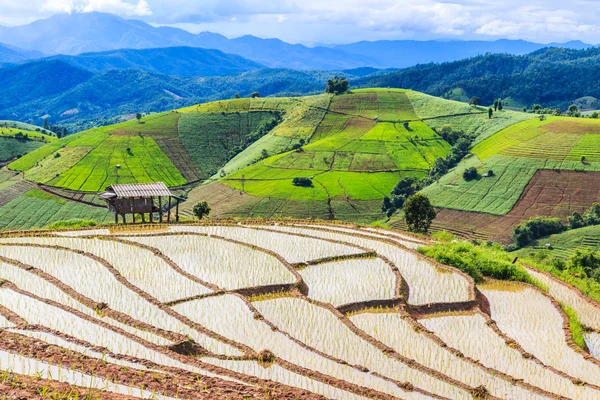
(490, 113)
(406, 187)
(470, 173)
(303, 182)
(337, 85)
(201, 210)
(46, 127)
(418, 213)
(573, 111)
(237, 96)
(496, 105)
(138, 116)
(576, 221)
(594, 115)
(475, 101)
(500, 105)
(255, 95)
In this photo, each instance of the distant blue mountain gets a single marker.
(79, 33)
(407, 53)
(180, 61)
(11, 54)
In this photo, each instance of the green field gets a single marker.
(515, 154)
(36, 209)
(355, 147)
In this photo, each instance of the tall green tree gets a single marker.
(201, 210)
(337, 85)
(419, 213)
(475, 101)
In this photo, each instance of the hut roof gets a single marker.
(125, 191)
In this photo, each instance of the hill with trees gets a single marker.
(523, 80)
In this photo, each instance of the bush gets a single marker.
(72, 223)
(470, 173)
(576, 221)
(535, 228)
(477, 261)
(201, 210)
(337, 85)
(303, 182)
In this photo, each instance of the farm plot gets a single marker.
(427, 282)
(349, 281)
(11, 148)
(300, 311)
(472, 336)
(404, 337)
(212, 139)
(338, 340)
(108, 290)
(530, 318)
(140, 160)
(36, 209)
(227, 265)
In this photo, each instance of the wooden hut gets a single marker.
(140, 198)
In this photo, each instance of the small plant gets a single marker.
(57, 155)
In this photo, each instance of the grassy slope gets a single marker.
(36, 209)
(11, 148)
(359, 151)
(515, 154)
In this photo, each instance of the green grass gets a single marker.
(51, 167)
(477, 261)
(575, 326)
(396, 132)
(209, 137)
(11, 148)
(426, 106)
(144, 162)
(495, 195)
(22, 126)
(32, 135)
(36, 209)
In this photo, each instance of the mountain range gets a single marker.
(77, 33)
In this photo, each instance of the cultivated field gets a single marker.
(294, 310)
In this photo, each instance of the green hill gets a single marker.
(18, 139)
(243, 154)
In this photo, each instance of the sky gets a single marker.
(344, 21)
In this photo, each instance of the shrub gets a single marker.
(535, 228)
(490, 173)
(72, 223)
(201, 210)
(576, 221)
(470, 173)
(303, 182)
(477, 261)
(57, 155)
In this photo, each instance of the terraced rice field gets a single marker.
(288, 311)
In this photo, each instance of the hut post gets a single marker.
(177, 210)
(169, 218)
(160, 212)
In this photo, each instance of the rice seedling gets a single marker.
(27, 366)
(396, 332)
(228, 265)
(292, 248)
(349, 281)
(107, 289)
(473, 337)
(258, 304)
(428, 283)
(329, 335)
(530, 318)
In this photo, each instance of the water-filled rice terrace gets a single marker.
(271, 310)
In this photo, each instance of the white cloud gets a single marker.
(331, 21)
(120, 7)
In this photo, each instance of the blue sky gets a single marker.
(343, 21)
